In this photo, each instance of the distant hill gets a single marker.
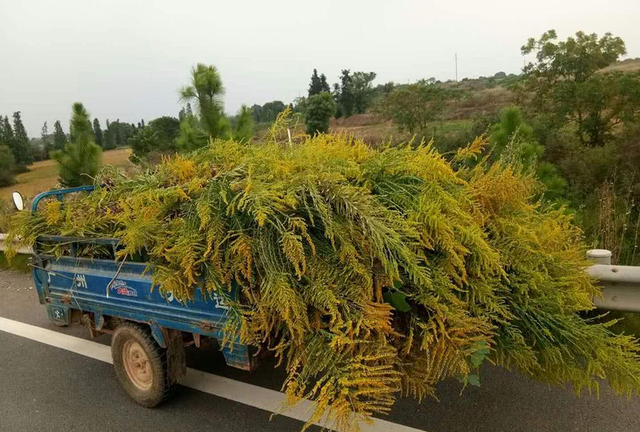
(478, 97)
(628, 65)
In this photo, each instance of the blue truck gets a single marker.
(149, 331)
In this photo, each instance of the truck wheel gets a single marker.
(140, 365)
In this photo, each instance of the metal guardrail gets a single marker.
(620, 284)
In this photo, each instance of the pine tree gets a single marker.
(109, 136)
(46, 140)
(207, 91)
(97, 131)
(324, 85)
(243, 130)
(347, 103)
(20, 146)
(336, 98)
(316, 86)
(80, 159)
(118, 135)
(320, 109)
(7, 166)
(7, 131)
(2, 140)
(59, 137)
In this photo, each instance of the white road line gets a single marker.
(248, 394)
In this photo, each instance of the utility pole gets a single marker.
(456, 67)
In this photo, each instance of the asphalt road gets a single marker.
(44, 388)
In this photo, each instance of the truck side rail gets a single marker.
(58, 193)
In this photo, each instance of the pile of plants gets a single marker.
(370, 273)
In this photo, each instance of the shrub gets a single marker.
(80, 159)
(319, 109)
(7, 166)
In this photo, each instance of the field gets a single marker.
(629, 65)
(43, 175)
(375, 130)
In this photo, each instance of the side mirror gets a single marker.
(18, 202)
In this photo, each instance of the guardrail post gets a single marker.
(620, 284)
(600, 256)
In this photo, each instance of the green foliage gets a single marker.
(109, 137)
(7, 166)
(117, 134)
(167, 128)
(59, 137)
(318, 112)
(268, 112)
(191, 135)
(18, 141)
(159, 136)
(318, 84)
(47, 143)
(6, 132)
(354, 94)
(565, 82)
(80, 159)
(19, 263)
(413, 107)
(207, 91)
(97, 132)
(575, 59)
(511, 122)
(346, 100)
(243, 127)
(513, 132)
(315, 235)
(514, 142)
(362, 90)
(145, 141)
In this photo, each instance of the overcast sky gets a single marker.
(126, 59)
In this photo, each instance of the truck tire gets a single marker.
(140, 365)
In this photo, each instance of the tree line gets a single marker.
(18, 151)
(573, 124)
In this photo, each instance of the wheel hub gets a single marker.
(136, 364)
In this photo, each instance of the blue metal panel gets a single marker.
(81, 283)
(91, 285)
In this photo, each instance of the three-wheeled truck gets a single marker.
(149, 331)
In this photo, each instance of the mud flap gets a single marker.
(172, 341)
(58, 314)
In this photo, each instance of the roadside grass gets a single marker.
(43, 175)
(6, 210)
(629, 323)
(18, 263)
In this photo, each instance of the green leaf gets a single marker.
(477, 359)
(397, 299)
(474, 380)
(481, 351)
